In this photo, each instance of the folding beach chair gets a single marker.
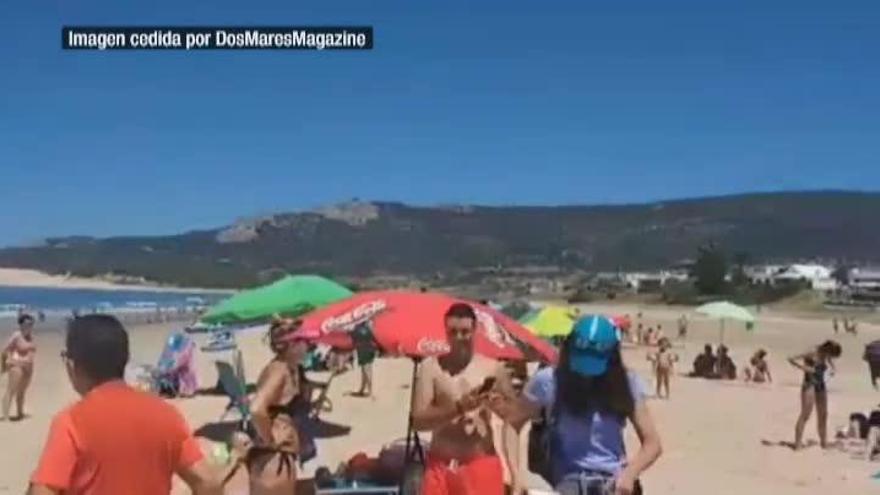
(323, 403)
(234, 388)
(174, 374)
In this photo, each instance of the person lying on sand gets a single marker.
(758, 370)
(663, 361)
(814, 393)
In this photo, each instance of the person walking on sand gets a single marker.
(872, 357)
(814, 393)
(682, 326)
(590, 396)
(451, 401)
(115, 439)
(279, 408)
(663, 361)
(366, 352)
(17, 360)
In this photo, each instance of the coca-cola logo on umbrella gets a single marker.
(494, 331)
(429, 347)
(347, 321)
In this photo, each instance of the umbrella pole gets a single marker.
(413, 450)
(722, 331)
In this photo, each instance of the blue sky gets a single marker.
(494, 103)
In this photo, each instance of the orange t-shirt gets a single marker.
(116, 440)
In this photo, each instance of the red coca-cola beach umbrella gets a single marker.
(412, 324)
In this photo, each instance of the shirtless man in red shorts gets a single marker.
(451, 401)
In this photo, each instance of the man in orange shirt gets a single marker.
(115, 440)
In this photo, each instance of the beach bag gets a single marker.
(398, 470)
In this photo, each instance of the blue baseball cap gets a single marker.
(594, 340)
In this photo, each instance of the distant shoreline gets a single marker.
(24, 278)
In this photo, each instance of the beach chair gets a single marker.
(236, 389)
(323, 403)
(175, 374)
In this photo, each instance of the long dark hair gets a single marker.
(608, 393)
(830, 349)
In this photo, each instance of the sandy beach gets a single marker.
(714, 433)
(19, 277)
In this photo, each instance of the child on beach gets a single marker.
(663, 363)
(758, 370)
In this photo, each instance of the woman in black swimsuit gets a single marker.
(281, 399)
(813, 391)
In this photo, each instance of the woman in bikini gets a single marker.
(281, 399)
(17, 359)
(813, 391)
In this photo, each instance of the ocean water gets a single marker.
(91, 300)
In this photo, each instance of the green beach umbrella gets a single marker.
(724, 310)
(551, 321)
(291, 296)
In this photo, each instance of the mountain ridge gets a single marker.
(361, 238)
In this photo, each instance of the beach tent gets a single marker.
(551, 321)
(291, 296)
(723, 311)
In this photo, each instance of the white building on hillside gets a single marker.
(865, 278)
(818, 276)
(641, 281)
(762, 274)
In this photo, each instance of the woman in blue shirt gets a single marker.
(590, 396)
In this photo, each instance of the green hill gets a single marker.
(389, 238)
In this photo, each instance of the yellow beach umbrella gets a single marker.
(551, 321)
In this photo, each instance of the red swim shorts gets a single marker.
(480, 476)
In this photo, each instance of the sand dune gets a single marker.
(19, 277)
(713, 433)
